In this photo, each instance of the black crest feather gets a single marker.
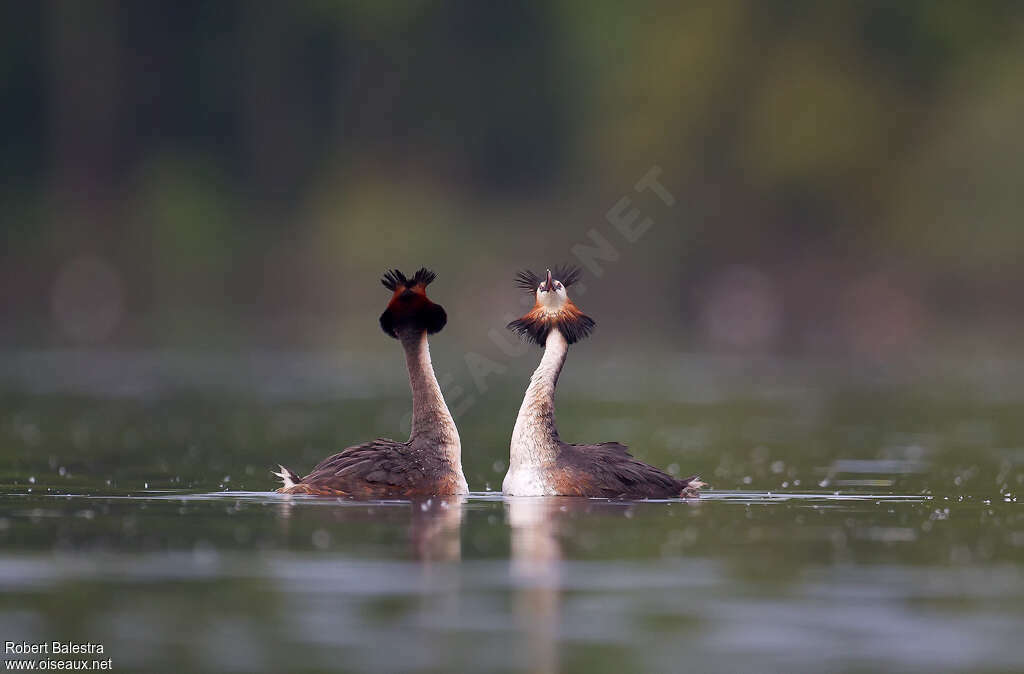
(527, 280)
(424, 276)
(393, 279)
(568, 274)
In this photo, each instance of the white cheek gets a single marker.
(552, 300)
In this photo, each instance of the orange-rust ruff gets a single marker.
(430, 462)
(541, 464)
(538, 322)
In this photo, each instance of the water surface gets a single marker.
(246, 581)
(855, 524)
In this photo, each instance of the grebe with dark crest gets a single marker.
(430, 463)
(541, 464)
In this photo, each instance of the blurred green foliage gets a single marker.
(247, 168)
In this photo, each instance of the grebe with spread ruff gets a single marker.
(430, 462)
(541, 464)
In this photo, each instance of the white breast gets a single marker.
(527, 481)
(463, 486)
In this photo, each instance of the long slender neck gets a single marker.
(535, 436)
(432, 423)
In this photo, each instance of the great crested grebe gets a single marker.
(541, 464)
(430, 463)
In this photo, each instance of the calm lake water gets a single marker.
(856, 523)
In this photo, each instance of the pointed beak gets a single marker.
(547, 283)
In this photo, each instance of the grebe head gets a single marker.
(552, 307)
(409, 309)
(551, 294)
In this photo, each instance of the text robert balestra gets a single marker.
(52, 648)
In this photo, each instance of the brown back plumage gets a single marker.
(608, 470)
(381, 468)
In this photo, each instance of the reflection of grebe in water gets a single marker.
(433, 524)
(430, 462)
(538, 526)
(435, 528)
(541, 464)
(536, 559)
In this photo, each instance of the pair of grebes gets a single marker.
(430, 462)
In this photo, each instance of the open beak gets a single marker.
(548, 284)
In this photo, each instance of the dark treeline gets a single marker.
(844, 175)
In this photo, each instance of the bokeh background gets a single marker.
(847, 174)
(202, 196)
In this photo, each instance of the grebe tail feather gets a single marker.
(289, 478)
